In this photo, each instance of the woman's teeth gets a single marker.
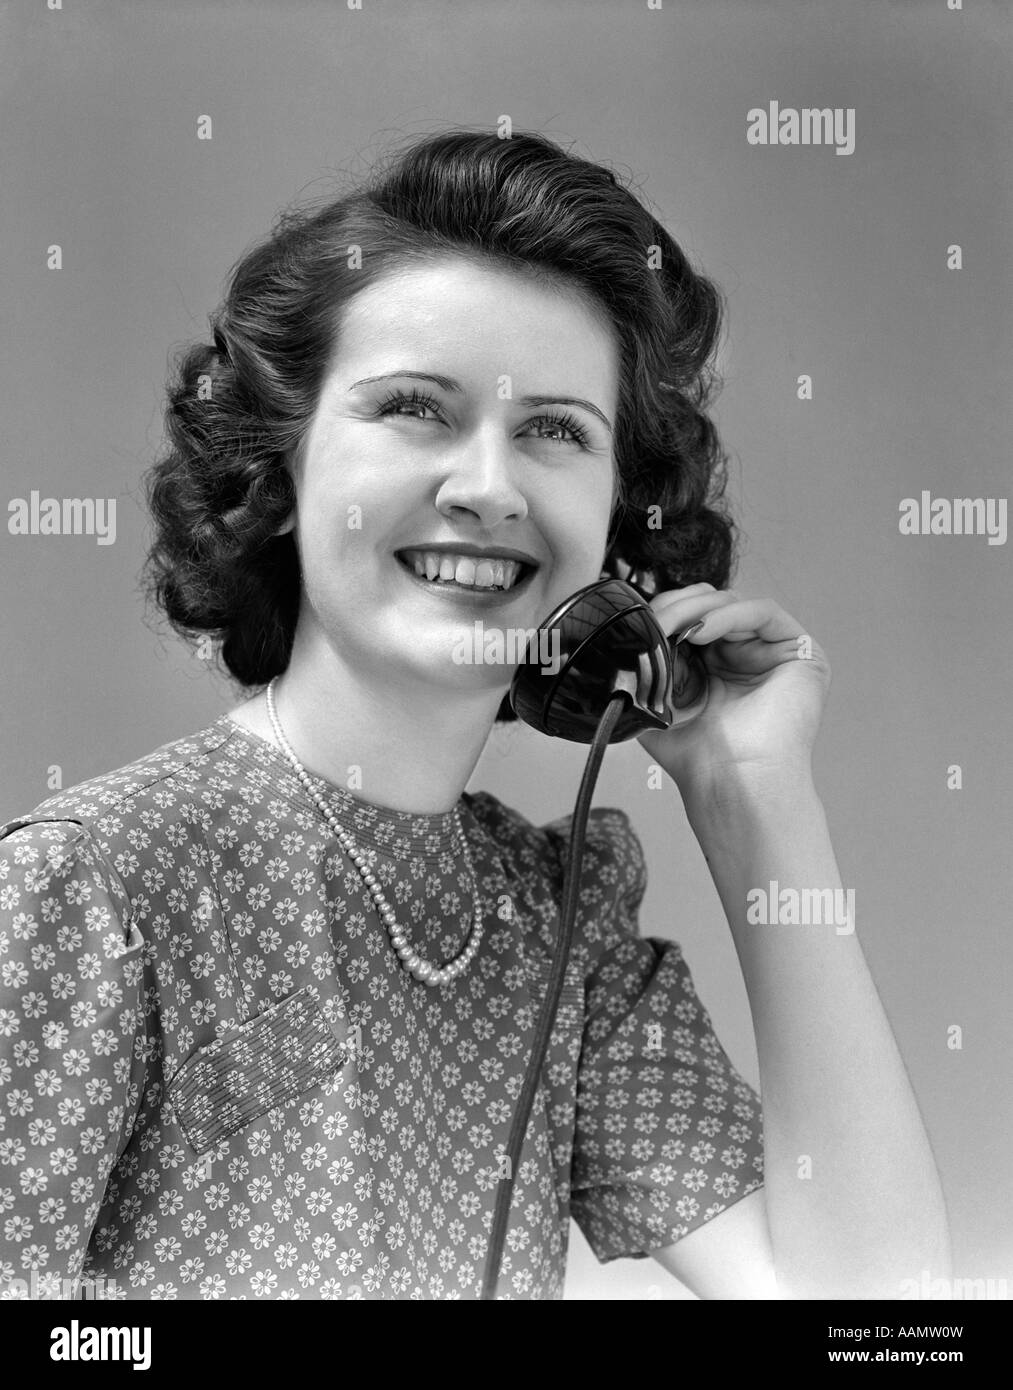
(463, 569)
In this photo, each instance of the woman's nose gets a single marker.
(480, 479)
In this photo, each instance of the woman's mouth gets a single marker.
(471, 573)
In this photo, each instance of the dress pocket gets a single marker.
(255, 1067)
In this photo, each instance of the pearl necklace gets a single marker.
(421, 969)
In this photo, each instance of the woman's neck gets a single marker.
(380, 740)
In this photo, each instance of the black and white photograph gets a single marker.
(506, 725)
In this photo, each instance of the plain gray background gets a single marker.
(832, 265)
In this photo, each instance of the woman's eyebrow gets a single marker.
(449, 384)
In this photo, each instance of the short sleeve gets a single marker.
(668, 1133)
(72, 1046)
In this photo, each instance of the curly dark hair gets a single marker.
(237, 408)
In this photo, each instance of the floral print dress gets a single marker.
(218, 1081)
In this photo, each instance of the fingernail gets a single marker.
(690, 630)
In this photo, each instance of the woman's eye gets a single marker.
(406, 404)
(416, 402)
(562, 423)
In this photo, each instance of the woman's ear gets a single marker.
(289, 523)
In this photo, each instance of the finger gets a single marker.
(752, 656)
(747, 618)
(662, 601)
(681, 614)
(667, 596)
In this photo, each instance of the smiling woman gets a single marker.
(274, 987)
(453, 473)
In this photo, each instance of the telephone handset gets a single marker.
(598, 670)
(603, 639)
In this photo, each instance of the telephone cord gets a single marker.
(554, 989)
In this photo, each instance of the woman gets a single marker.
(270, 990)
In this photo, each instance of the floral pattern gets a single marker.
(219, 1082)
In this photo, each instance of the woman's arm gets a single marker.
(852, 1197)
(852, 1200)
(72, 1050)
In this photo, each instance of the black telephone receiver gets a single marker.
(598, 670)
(604, 639)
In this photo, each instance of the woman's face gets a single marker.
(471, 463)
